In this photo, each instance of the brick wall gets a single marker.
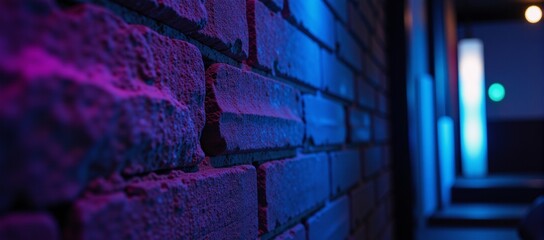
(216, 119)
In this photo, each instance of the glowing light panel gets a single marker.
(472, 108)
(446, 148)
(496, 92)
(533, 14)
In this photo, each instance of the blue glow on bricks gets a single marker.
(472, 108)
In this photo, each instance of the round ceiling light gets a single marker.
(533, 14)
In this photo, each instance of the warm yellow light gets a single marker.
(533, 14)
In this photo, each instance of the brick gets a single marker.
(101, 98)
(297, 232)
(338, 79)
(383, 186)
(325, 121)
(183, 15)
(331, 222)
(23, 226)
(360, 125)
(345, 170)
(366, 94)
(358, 26)
(340, 8)
(315, 17)
(278, 46)
(267, 118)
(275, 5)
(349, 50)
(381, 129)
(209, 204)
(362, 202)
(227, 28)
(290, 188)
(373, 160)
(377, 221)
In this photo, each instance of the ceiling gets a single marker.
(492, 10)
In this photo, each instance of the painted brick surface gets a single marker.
(268, 118)
(289, 188)
(362, 202)
(184, 15)
(345, 170)
(332, 222)
(366, 94)
(209, 204)
(340, 8)
(278, 46)
(104, 123)
(297, 232)
(325, 121)
(226, 29)
(275, 5)
(24, 226)
(373, 160)
(358, 26)
(349, 50)
(381, 129)
(338, 79)
(94, 106)
(315, 17)
(360, 125)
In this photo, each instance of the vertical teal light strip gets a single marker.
(446, 153)
(472, 108)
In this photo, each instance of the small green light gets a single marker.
(496, 92)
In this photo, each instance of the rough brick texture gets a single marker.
(101, 100)
(236, 121)
(345, 170)
(349, 50)
(184, 15)
(281, 184)
(24, 226)
(277, 45)
(210, 204)
(315, 17)
(226, 29)
(332, 222)
(325, 121)
(297, 232)
(338, 79)
(209, 119)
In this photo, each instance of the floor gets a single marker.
(453, 233)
